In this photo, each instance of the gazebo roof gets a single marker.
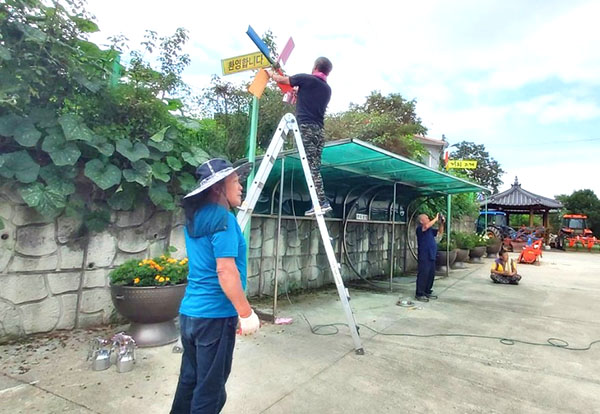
(519, 200)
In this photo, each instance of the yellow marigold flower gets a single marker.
(136, 280)
(156, 277)
(162, 279)
(168, 278)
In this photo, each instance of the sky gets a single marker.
(520, 77)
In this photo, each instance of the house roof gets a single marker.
(431, 141)
(516, 199)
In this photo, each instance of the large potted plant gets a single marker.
(478, 249)
(463, 245)
(148, 293)
(444, 257)
(493, 245)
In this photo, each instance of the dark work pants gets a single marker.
(313, 139)
(425, 276)
(205, 364)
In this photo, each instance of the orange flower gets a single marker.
(162, 279)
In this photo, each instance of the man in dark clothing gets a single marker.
(427, 253)
(313, 97)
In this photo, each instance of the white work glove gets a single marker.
(248, 325)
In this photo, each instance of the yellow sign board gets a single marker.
(251, 61)
(466, 164)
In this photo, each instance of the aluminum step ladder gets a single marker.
(288, 123)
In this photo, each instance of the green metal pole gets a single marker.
(116, 71)
(448, 220)
(486, 215)
(251, 155)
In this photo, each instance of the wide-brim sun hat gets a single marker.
(215, 170)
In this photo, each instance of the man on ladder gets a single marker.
(313, 97)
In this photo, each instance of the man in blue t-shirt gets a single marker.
(427, 255)
(313, 97)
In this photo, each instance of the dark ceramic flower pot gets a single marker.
(492, 251)
(441, 259)
(461, 257)
(476, 253)
(151, 311)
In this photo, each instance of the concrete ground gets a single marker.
(286, 369)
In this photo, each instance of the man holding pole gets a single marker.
(427, 254)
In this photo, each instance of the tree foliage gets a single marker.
(389, 121)
(583, 202)
(488, 171)
(71, 141)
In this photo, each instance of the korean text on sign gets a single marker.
(236, 64)
(467, 164)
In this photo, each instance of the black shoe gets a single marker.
(431, 296)
(422, 298)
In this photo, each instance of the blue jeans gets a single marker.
(205, 364)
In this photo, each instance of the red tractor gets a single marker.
(574, 228)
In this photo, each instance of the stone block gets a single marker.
(6, 209)
(312, 273)
(102, 248)
(66, 228)
(268, 263)
(132, 240)
(177, 240)
(23, 288)
(36, 240)
(40, 317)
(255, 252)
(95, 300)
(33, 264)
(157, 248)
(252, 288)
(159, 226)
(256, 238)
(68, 311)
(134, 217)
(88, 320)
(268, 247)
(95, 278)
(25, 215)
(253, 267)
(11, 192)
(7, 244)
(64, 282)
(70, 257)
(10, 320)
(178, 217)
(121, 257)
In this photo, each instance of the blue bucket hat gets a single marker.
(215, 170)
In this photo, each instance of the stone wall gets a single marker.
(303, 260)
(53, 277)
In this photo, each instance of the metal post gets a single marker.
(278, 238)
(251, 155)
(393, 220)
(485, 220)
(116, 71)
(449, 219)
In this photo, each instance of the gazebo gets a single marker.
(516, 200)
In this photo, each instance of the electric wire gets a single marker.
(550, 342)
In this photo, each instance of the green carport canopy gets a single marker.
(355, 163)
